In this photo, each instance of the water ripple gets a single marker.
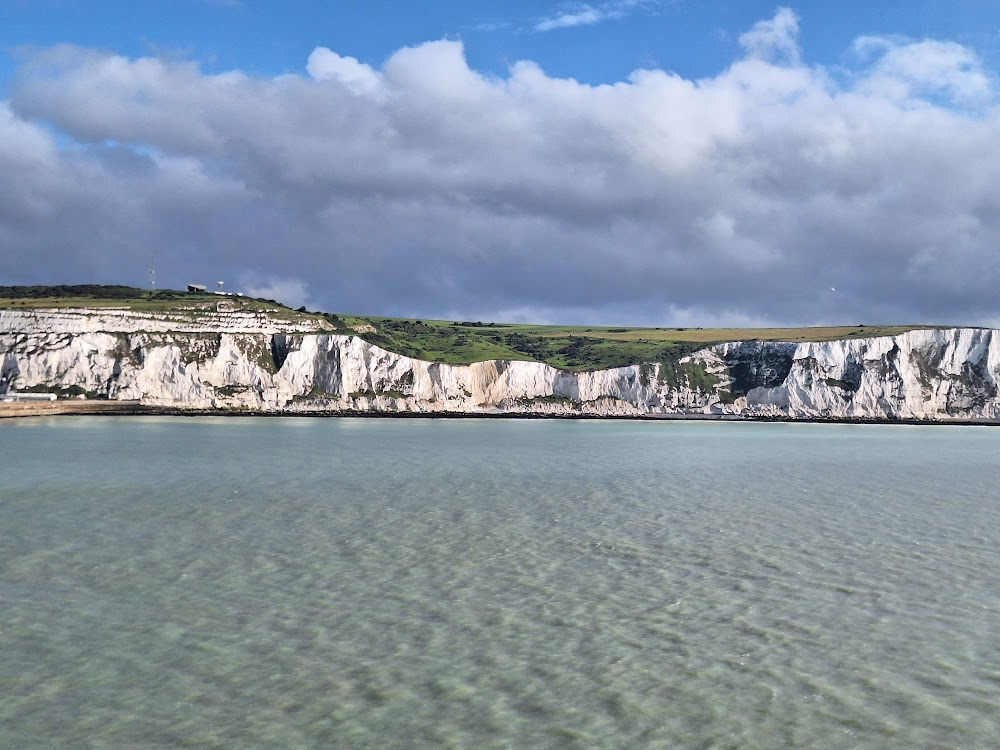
(496, 584)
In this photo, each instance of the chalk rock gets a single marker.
(257, 362)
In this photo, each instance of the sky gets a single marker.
(618, 162)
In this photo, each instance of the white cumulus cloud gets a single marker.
(325, 64)
(424, 187)
(774, 39)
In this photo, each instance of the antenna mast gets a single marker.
(152, 273)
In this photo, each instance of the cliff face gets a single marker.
(255, 362)
(928, 374)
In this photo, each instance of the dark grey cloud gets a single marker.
(774, 192)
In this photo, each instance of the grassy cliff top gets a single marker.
(575, 347)
(167, 302)
(454, 342)
(131, 298)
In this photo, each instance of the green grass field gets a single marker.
(576, 347)
(455, 342)
(162, 301)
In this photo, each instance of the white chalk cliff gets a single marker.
(254, 361)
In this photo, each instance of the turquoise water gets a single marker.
(351, 583)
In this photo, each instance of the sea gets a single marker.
(243, 582)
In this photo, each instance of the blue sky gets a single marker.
(694, 38)
(806, 163)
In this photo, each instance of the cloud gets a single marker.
(911, 71)
(290, 292)
(775, 39)
(426, 188)
(584, 17)
(587, 15)
(325, 64)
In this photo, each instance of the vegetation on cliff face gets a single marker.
(98, 295)
(574, 348)
(568, 348)
(87, 291)
(173, 301)
(454, 342)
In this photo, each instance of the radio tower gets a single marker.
(152, 273)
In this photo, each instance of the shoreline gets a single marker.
(24, 410)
